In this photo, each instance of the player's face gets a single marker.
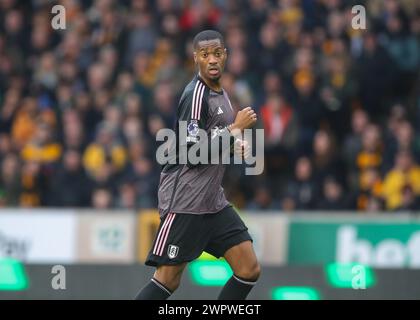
(210, 55)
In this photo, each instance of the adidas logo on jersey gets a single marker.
(219, 111)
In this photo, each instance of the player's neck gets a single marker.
(213, 85)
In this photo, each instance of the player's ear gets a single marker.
(195, 57)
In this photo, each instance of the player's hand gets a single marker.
(242, 148)
(245, 119)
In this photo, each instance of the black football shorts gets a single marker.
(183, 237)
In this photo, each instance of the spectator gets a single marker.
(8, 113)
(263, 200)
(404, 49)
(401, 139)
(42, 148)
(105, 148)
(325, 159)
(308, 107)
(371, 154)
(353, 142)
(140, 173)
(374, 205)
(279, 123)
(336, 92)
(375, 80)
(104, 86)
(24, 124)
(10, 187)
(5, 146)
(126, 197)
(102, 199)
(333, 196)
(237, 66)
(370, 187)
(32, 185)
(410, 201)
(73, 131)
(272, 86)
(303, 188)
(71, 186)
(406, 173)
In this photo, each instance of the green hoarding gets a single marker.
(378, 244)
(295, 293)
(12, 275)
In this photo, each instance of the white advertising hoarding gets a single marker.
(269, 232)
(106, 237)
(37, 236)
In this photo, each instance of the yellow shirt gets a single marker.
(394, 182)
(44, 154)
(95, 157)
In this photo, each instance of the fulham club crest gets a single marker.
(172, 251)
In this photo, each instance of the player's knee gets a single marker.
(173, 283)
(255, 271)
(170, 280)
(250, 272)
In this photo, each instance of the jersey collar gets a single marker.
(201, 79)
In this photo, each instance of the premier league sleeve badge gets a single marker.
(192, 129)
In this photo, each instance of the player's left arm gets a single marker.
(194, 110)
(244, 119)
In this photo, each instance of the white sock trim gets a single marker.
(161, 286)
(250, 283)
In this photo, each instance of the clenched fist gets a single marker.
(245, 119)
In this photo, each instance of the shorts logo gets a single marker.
(172, 251)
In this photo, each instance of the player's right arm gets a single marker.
(192, 116)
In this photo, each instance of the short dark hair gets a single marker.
(207, 35)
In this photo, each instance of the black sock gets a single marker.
(154, 290)
(236, 289)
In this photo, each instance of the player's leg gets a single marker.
(232, 241)
(243, 261)
(246, 271)
(170, 276)
(180, 239)
(165, 281)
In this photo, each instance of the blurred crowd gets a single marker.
(80, 107)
